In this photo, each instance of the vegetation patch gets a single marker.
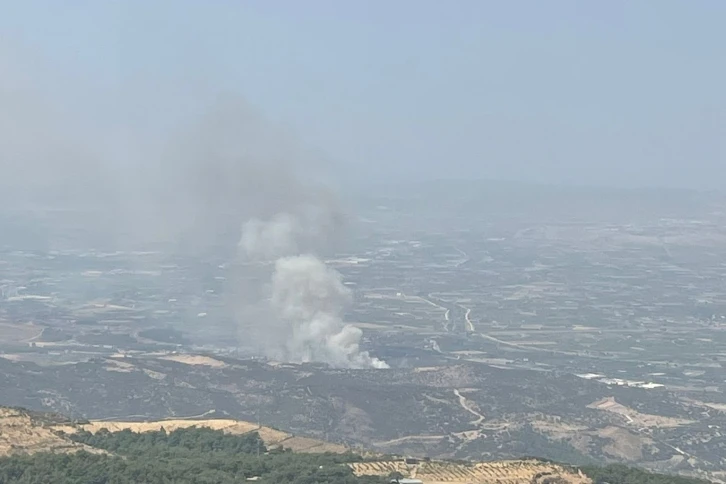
(189, 455)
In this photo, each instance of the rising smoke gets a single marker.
(307, 298)
(289, 304)
(228, 179)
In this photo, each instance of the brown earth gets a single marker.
(22, 433)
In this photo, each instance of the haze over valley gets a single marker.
(459, 245)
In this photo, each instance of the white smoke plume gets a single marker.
(187, 180)
(306, 298)
(270, 240)
(310, 297)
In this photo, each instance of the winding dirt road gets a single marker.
(466, 406)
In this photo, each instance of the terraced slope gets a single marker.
(501, 472)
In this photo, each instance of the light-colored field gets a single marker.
(411, 439)
(410, 313)
(115, 364)
(497, 362)
(716, 406)
(227, 425)
(372, 325)
(19, 332)
(11, 357)
(154, 374)
(636, 418)
(97, 308)
(502, 472)
(196, 360)
(721, 407)
(423, 369)
(536, 343)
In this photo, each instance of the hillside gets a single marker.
(42, 447)
(31, 440)
(461, 410)
(25, 432)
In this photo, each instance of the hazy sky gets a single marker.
(615, 92)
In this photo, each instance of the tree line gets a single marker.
(192, 455)
(206, 456)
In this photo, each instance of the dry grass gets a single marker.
(226, 425)
(196, 360)
(20, 434)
